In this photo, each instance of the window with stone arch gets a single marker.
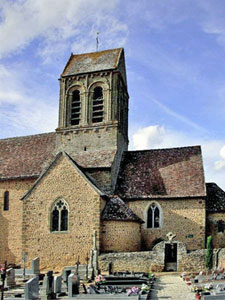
(6, 200)
(97, 105)
(154, 216)
(59, 216)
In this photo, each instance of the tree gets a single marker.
(209, 253)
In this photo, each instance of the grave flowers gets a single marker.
(133, 291)
(145, 288)
(99, 279)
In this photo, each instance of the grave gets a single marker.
(35, 266)
(57, 284)
(10, 278)
(73, 284)
(31, 289)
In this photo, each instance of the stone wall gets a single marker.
(218, 238)
(185, 218)
(11, 220)
(153, 261)
(59, 249)
(120, 236)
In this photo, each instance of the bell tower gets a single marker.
(93, 106)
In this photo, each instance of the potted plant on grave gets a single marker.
(133, 291)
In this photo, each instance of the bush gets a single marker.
(209, 253)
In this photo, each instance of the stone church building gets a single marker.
(57, 188)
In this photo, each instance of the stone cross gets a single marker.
(95, 240)
(170, 236)
(77, 264)
(24, 259)
(87, 260)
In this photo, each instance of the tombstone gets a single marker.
(73, 285)
(57, 284)
(110, 268)
(48, 284)
(35, 266)
(31, 289)
(10, 278)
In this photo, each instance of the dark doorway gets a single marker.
(171, 257)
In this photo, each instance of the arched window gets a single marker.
(6, 200)
(98, 105)
(75, 108)
(154, 216)
(59, 216)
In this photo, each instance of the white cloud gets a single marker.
(156, 137)
(56, 22)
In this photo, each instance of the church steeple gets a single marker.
(93, 103)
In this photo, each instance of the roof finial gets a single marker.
(97, 42)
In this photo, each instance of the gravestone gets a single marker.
(31, 289)
(36, 266)
(48, 285)
(73, 285)
(57, 284)
(10, 278)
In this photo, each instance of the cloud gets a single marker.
(21, 111)
(156, 137)
(56, 22)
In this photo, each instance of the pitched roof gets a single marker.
(117, 210)
(92, 62)
(162, 173)
(74, 164)
(26, 156)
(29, 156)
(215, 201)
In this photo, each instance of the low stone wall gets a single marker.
(127, 261)
(193, 261)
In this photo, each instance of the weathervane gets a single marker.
(97, 42)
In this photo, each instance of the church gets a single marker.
(57, 188)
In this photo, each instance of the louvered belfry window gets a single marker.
(75, 108)
(98, 105)
(6, 200)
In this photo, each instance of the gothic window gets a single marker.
(153, 216)
(98, 105)
(59, 216)
(6, 200)
(75, 108)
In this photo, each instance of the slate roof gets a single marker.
(215, 201)
(29, 156)
(117, 210)
(161, 173)
(92, 62)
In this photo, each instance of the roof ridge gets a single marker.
(93, 52)
(159, 149)
(27, 136)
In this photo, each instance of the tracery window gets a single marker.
(153, 216)
(75, 108)
(6, 200)
(59, 216)
(98, 105)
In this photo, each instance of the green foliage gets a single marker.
(209, 253)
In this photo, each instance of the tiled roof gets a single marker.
(215, 201)
(92, 62)
(117, 210)
(26, 156)
(162, 173)
(29, 156)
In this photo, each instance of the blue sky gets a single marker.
(175, 56)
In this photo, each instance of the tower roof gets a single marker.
(92, 62)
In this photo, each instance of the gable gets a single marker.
(63, 174)
(162, 173)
